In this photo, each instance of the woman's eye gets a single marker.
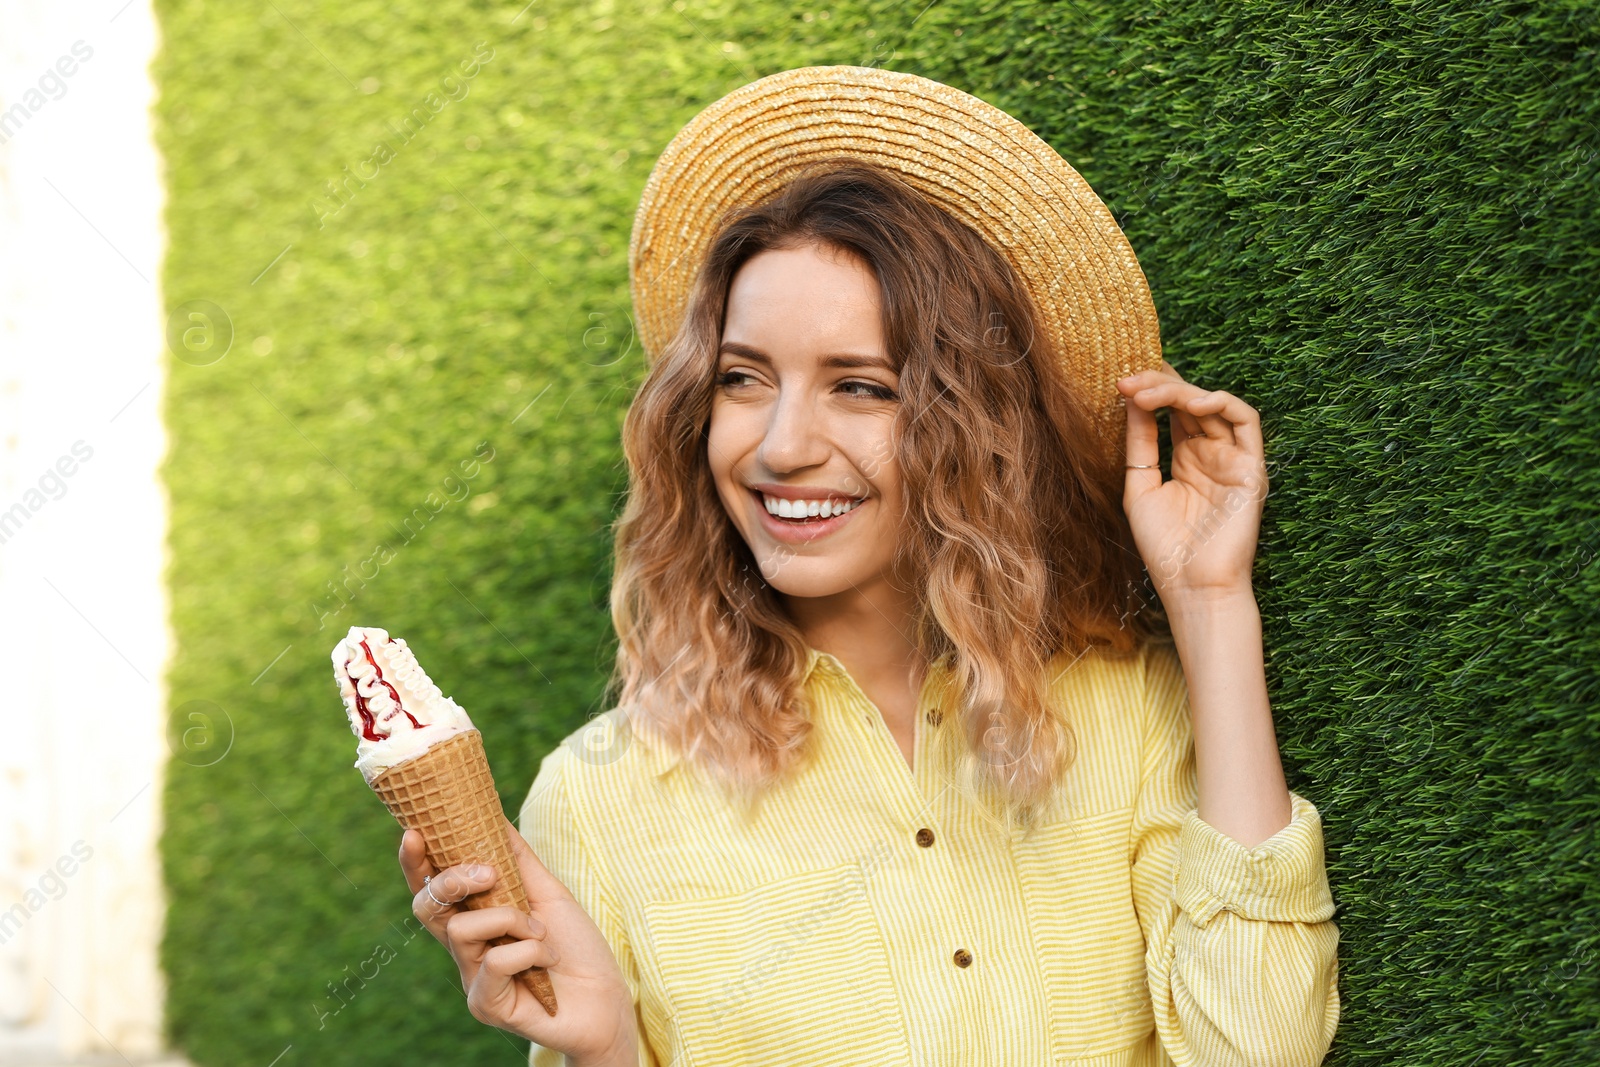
(735, 378)
(881, 392)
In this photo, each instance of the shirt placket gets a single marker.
(935, 925)
(917, 788)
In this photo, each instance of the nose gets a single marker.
(794, 437)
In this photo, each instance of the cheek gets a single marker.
(879, 463)
(717, 444)
(731, 435)
(722, 452)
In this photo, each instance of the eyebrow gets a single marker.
(836, 359)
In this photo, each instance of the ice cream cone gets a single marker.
(447, 794)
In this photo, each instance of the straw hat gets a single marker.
(969, 157)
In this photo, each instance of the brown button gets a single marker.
(924, 837)
(936, 717)
(963, 958)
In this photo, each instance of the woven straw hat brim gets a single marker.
(974, 160)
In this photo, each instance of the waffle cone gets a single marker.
(447, 794)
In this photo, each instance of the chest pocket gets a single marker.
(1078, 888)
(796, 969)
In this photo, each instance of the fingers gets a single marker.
(1177, 398)
(490, 988)
(467, 933)
(440, 897)
(510, 960)
(414, 859)
(1191, 426)
(1167, 388)
(1217, 414)
(1242, 419)
(1195, 410)
(1143, 447)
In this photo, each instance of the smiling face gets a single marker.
(802, 422)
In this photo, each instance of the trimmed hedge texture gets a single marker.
(1374, 222)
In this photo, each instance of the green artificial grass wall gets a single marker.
(403, 228)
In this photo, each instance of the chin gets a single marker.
(816, 579)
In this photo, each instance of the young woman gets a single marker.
(903, 770)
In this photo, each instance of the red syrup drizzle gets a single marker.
(367, 722)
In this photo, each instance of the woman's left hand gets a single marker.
(1197, 530)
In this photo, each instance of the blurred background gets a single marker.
(316, 314)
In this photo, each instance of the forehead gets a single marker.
(803, 301)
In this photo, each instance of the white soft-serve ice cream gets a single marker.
(395, 710)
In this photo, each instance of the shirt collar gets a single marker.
(660, 756)
(824, 661)
(827, 665)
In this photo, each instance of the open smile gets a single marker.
(798, 530)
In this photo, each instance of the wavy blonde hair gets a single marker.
(1015, 534)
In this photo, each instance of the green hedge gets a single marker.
(1375, 222)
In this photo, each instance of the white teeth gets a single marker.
(800, 509)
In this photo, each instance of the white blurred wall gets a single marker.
(83, 626)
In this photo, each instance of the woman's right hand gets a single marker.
(594, 1024)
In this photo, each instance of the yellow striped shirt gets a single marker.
(872, 913)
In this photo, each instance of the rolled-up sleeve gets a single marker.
(1240, 943)
(548, 823)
